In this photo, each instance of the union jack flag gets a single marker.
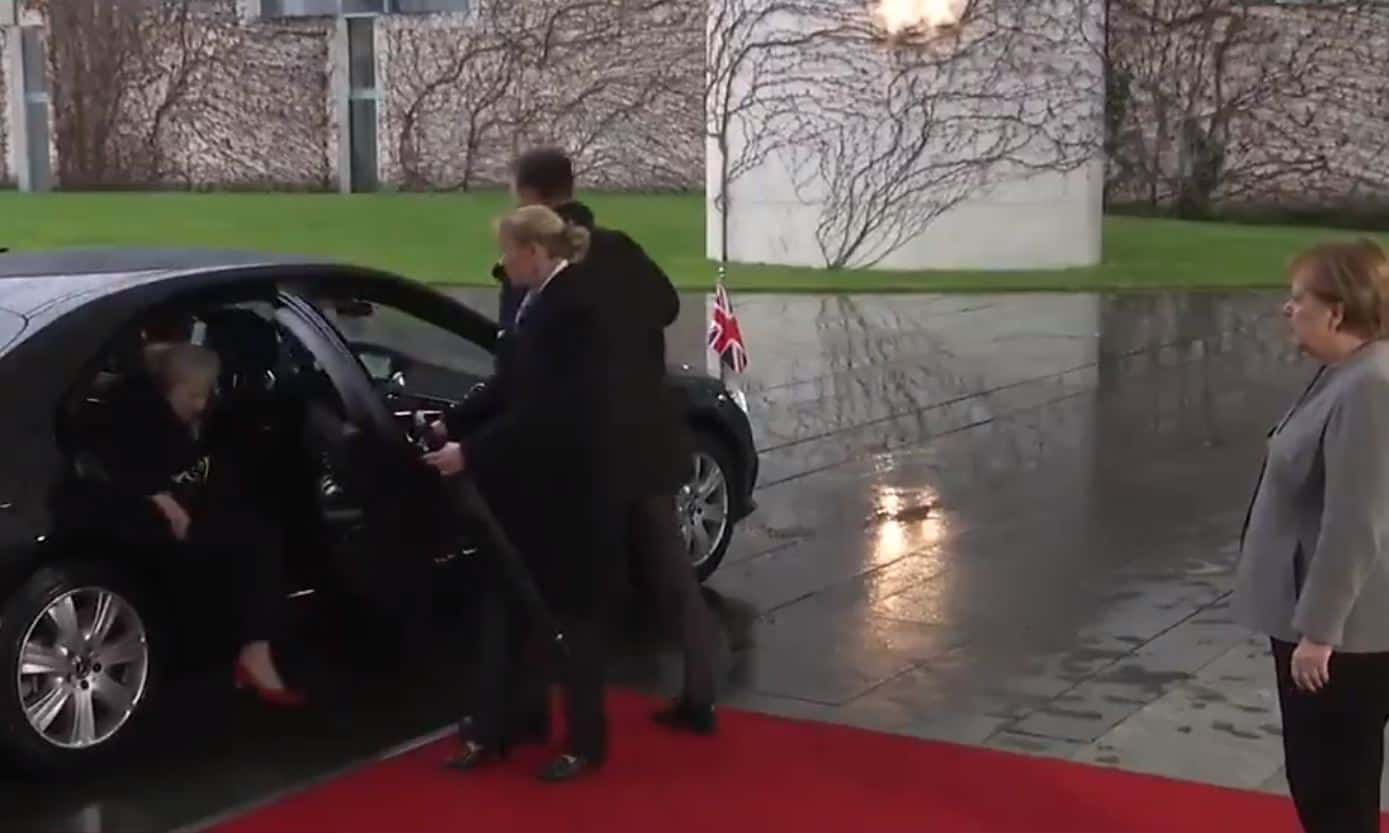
(725, 339)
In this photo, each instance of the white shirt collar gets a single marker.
(559, 267)
(532, 294)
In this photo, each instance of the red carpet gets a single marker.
(765, 774)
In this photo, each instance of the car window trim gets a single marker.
(12, 326)
(422, 302)
(344, 369)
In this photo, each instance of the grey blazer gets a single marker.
(1315, 551)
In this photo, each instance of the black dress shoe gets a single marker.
(473, 756)
(685, 717)
(566, 768)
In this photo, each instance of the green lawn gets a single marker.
(447, 239)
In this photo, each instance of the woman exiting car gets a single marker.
(170, 493)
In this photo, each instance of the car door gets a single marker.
(423, 351)
(385, 556)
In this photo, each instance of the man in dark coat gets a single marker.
(635, 302)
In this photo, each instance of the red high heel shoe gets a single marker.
(281, 697)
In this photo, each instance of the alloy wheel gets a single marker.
(702, 509)
(83, 668)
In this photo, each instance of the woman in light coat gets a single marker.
(1314, 569)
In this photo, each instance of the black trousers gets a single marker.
(245, 550)
(507, 701)
(584, 674)
(231, 547)
(653, 536)
(1334, 741)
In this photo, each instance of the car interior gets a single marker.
(277, 411)
(419, 367)
(273, 408)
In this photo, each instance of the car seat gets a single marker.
(249, 346)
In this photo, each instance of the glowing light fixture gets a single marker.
(902, 16)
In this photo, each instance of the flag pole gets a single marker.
(723, 246)
(723, 282)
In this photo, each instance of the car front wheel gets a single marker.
(704, 506)
(76, 668)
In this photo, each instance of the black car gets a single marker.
(296, 336)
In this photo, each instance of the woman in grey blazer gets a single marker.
(1314, 568)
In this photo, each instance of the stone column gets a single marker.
(10, 96)
(31, 133)
(27, 93)
(341, 84)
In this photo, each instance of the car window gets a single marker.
(258, 357)
(391, 342)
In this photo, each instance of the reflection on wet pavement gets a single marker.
(1002, 520)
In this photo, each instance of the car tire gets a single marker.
(711, 454)
(106, 684)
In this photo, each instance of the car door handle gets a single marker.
(344, 517)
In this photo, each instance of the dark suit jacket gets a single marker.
(147, 450)
(637, 302)
(634, 301)
(539, 453)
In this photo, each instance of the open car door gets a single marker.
(382, 505)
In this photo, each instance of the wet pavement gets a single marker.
(998, 520)
(1012, 522)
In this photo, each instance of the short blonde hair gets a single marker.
(1354, 274)
(538, 225)
(173, 364)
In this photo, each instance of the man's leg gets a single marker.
(482, 728)
(528, 714)
(655, 539)
(584, 673)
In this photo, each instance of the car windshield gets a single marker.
(11, 326)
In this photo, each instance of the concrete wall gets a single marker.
(224, 100)
(1291, 98)
(618, 86)
(259, 111)
(1047, 221)
(215, 103)
(971, 149)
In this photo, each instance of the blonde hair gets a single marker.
(173, 364)
(1354, 274)
(538, 225)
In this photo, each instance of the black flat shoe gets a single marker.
(681, 716)
(474, 756)
(566, 768)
